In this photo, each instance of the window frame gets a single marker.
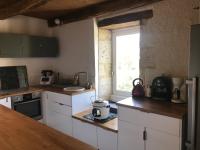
(117, 32)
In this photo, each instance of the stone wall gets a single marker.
(105, 64)
(165, 39)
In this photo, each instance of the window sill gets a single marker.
(117, 98)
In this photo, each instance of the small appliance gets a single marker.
(138, 89)
(176, 92)
(101, 109)
(47, 77)
(28, 104)
(161, 88)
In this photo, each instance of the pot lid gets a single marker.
(100, 103)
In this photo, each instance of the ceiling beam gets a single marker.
(99, 9)
(19, 7)
(126, 18)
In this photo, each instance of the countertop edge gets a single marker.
(153, 112)
(96, 124)
(42, 89)
(145, 105)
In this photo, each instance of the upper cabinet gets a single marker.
(16, 45)
(10, 45)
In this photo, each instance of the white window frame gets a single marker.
(118, 32)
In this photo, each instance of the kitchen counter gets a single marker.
(155, 106)
(39, 89)
(111, 125)
(18, 132)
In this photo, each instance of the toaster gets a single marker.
(162, 88)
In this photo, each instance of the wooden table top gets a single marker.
(111, 125)
(39, 89)
(155, 106)
(18, 132)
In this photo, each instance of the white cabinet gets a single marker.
(146, 131)
(85, 132)
(157, 140)
(130, 136)
(58, 112)
(95, 136)
(6, 102)
(60, 122)
(107, 140)
(58, 108)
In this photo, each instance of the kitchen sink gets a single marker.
(74, 89)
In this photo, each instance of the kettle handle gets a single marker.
(137, 79)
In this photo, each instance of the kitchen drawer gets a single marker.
(60, 98)
(60, 108)
(166, 124)
(132, 116)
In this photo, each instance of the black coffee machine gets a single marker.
(162, 88)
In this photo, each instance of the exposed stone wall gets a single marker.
(165, 39)
(105, 64)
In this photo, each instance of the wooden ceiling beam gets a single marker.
(19, 7)
(126, 18)
(99, 9)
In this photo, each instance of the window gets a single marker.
(126, 55)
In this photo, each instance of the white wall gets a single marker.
(31, 26)
(77, 48)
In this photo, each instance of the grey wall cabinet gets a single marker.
(16, 45)
(10, 45)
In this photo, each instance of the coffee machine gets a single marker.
(176, 92)
(47, 77)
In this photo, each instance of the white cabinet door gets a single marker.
(58, 112)
(130, 136)
(63, 123)
(60, 122)
(85, 132)
(158, 140)
(6, 102)
(107, 140)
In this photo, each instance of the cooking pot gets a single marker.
(101, 109)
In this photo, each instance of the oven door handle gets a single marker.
(20, 103)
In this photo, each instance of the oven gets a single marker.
(28, 104)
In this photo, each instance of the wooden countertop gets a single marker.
(155, 106)
(111, 125)
(18, 132)
(39, 89)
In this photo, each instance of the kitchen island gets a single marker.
(18, 132)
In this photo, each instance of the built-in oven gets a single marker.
(28, 104)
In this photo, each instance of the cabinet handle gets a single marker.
(6, 99)
(59, 103)
(144, 135)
